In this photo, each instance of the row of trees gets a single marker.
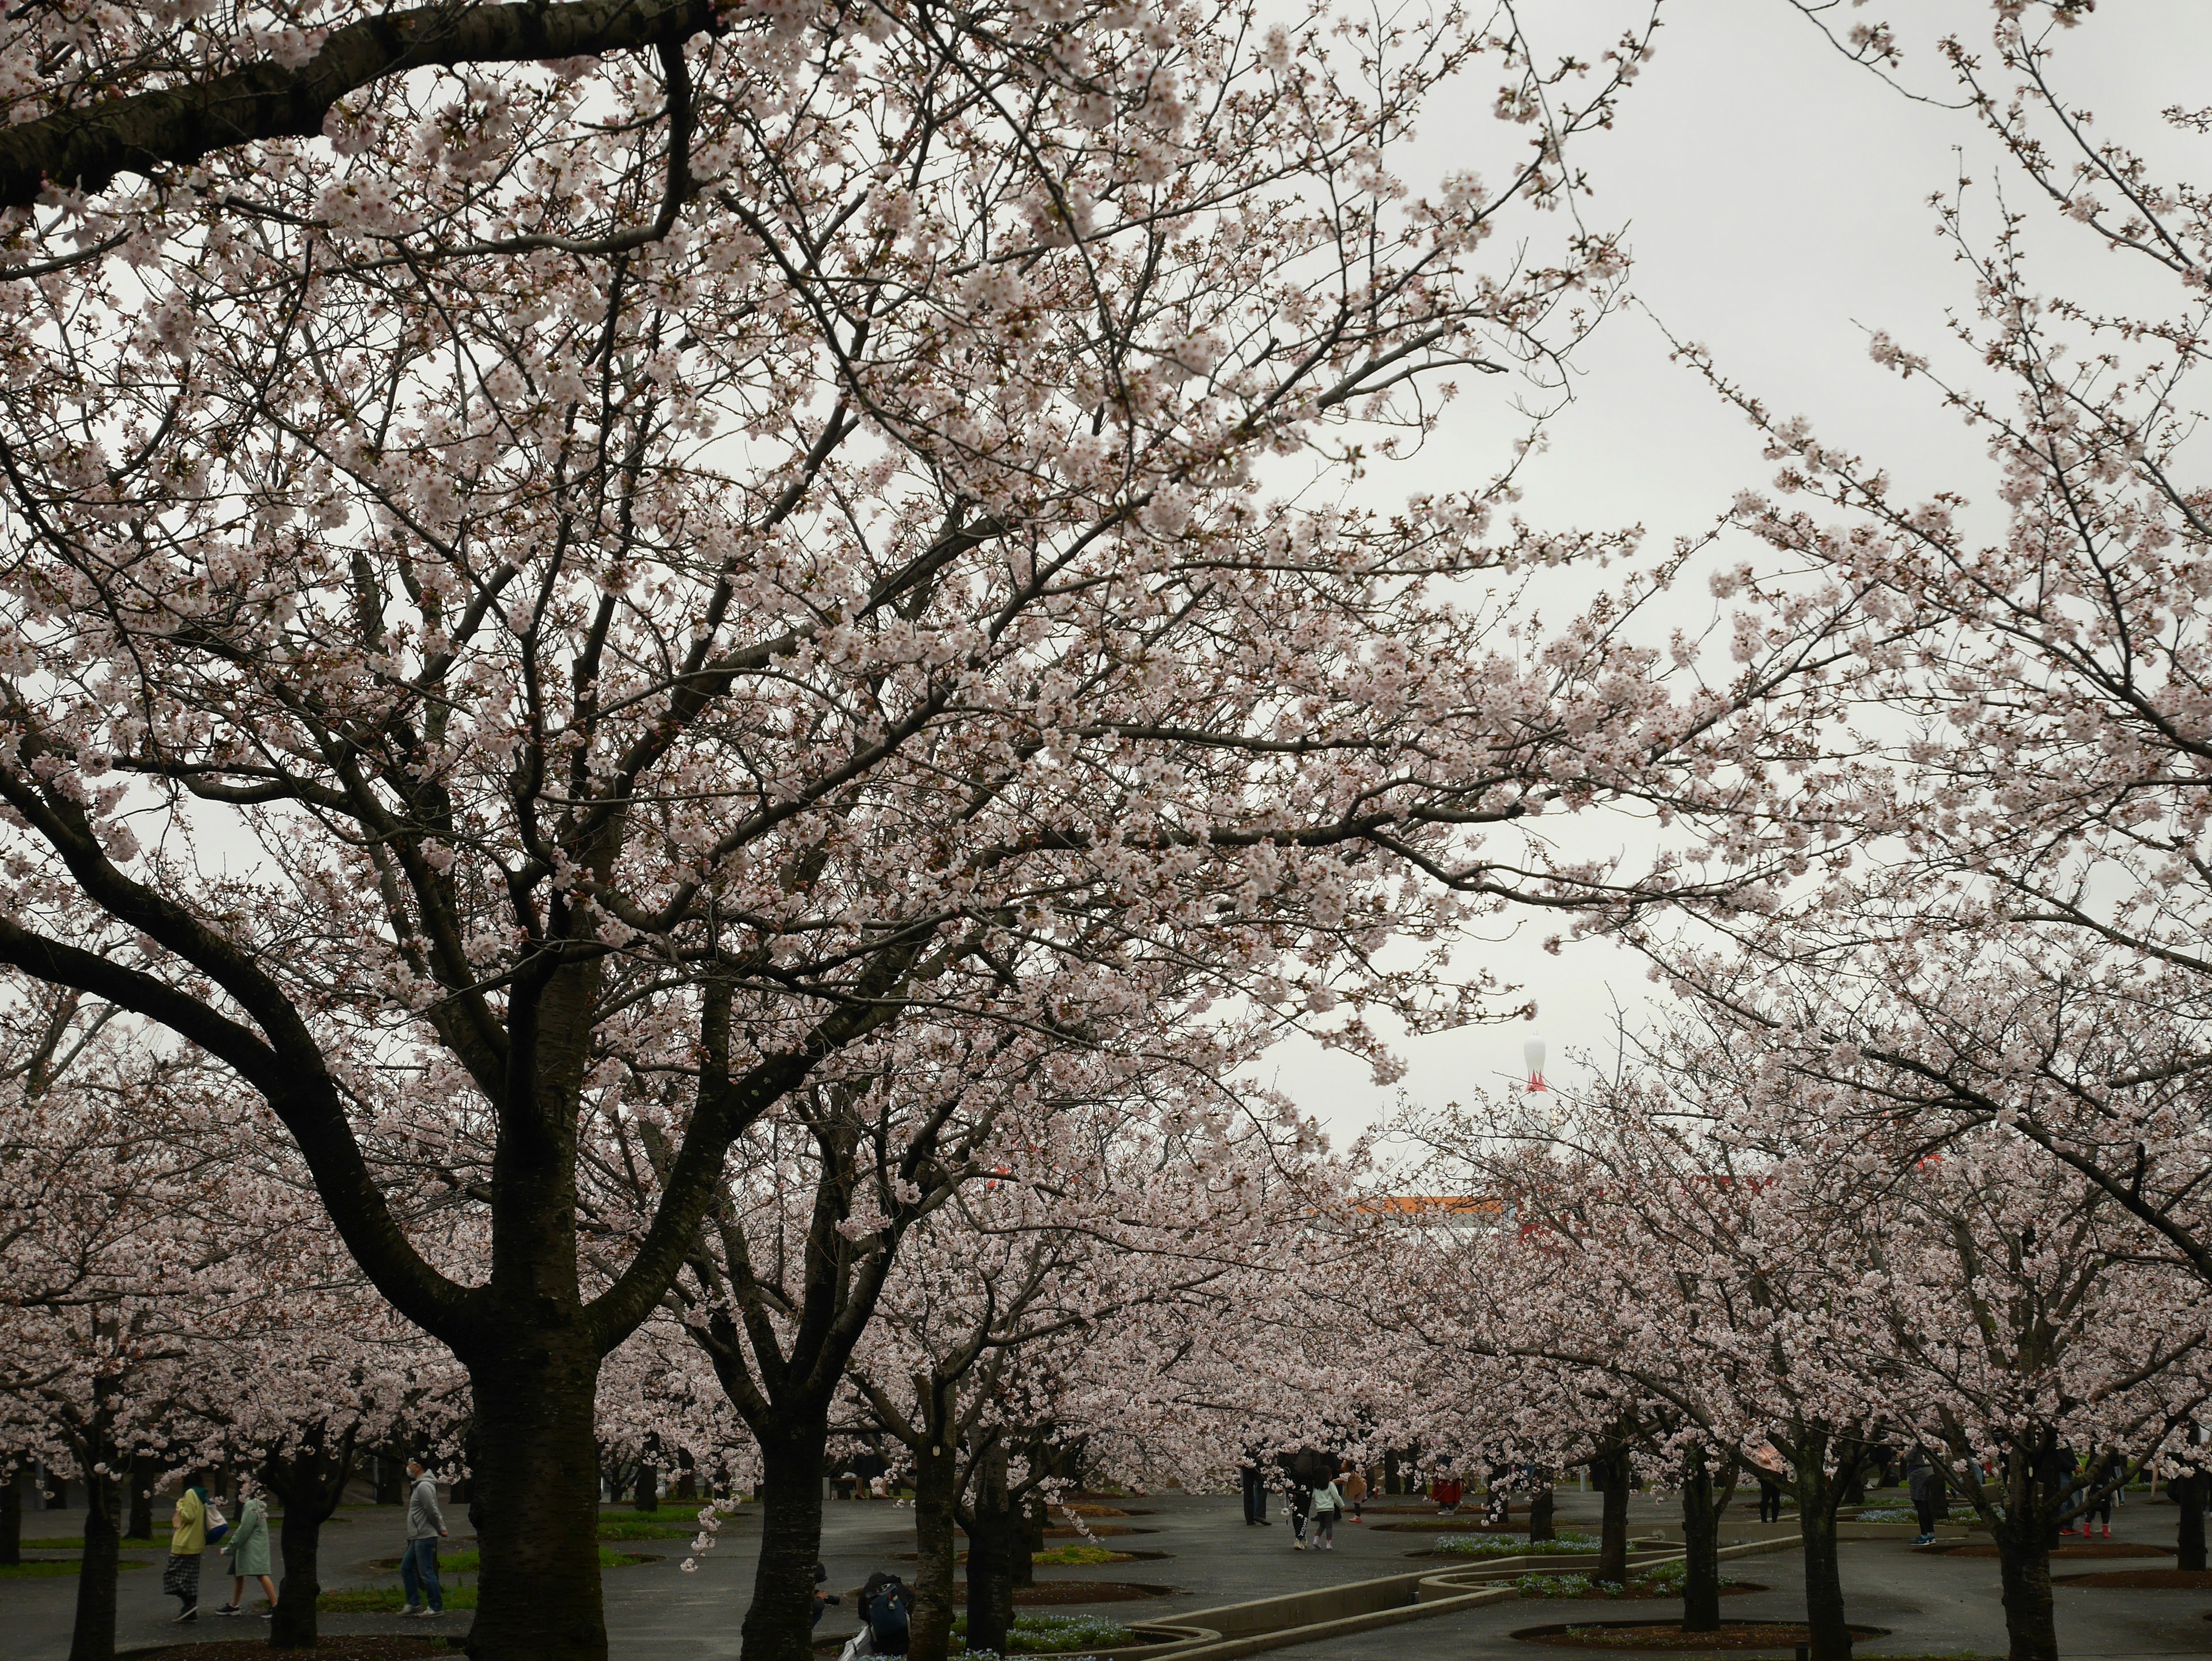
(720, 652)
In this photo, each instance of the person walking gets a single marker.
(1254, 1481)
(1925, 1485)
(1328, 1503)
(1299, 1499)
(1353, 1486)
(426, 1526)
(246, 1546)
(188, 1527)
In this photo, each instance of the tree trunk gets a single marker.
(1541, 1524)
(1020, 1564)
(648, 1494)
(293, 1626)
(1701, 1545)
(780, 1624)
(2024, 1568)
(2188, 1493)
(687, 1478)
(935, 1547)
(1391, 1482)
(1609, 1472)
(11, 1518)
(1824, 1580)
(993, 1534)
(145, 1474)
(391, 1481)
(93, 1638)
(535, 1498)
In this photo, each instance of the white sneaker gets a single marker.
(410, 1609)
(432, 1615)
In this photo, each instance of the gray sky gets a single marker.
(1776, 201)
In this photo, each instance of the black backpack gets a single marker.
(887, 1618)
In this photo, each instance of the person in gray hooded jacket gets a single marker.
(426, 1526)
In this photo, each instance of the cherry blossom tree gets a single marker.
(571, 542)
(2027, 788)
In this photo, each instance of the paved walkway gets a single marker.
(657, 1613)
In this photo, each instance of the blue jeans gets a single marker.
(418, 1575)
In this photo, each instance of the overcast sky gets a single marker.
(1776, 197)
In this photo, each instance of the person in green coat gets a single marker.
(247, 1548)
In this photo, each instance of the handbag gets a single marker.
(217, 1524)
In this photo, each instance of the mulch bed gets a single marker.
(2141, 1579)
(331, 1647)
(2077, 1549)
(1669, 1635)
(1449, 1525)
(1085, 1592)
(1100, 1530)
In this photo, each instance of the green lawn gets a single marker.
(465, 1562)
(379, 1600)
(65, 1565)
(650, 1525)
(1067, 1556)
(76, 1543)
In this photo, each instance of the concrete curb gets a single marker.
(1247, 1628)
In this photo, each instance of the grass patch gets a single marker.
(1076, 1556)
(47, 1570)
(1052, 1634)
(1515, 1545)
(466, 1563)
(1906, 1514)
(76, 1543)
(647, 1526)
(385, 1600)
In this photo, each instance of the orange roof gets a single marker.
(1414, 1204)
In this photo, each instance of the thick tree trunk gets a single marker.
(936, 1547)
(1391, 1482)
(535, 1499)
(2188, 1493)
(1540, 1523)
(145, 1474)
(1020, 1564)
(11, 1519)
(1701, 1545)
(993, 1535)
(2024, 1568)
(646, 1496)
(780, 1624)
(687, 1478)
(93, 1638)
(1824, 1581)
(293, 1626)
(1609, 1471)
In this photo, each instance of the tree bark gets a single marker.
(93, 1637)
(145, 1474)
(293, 1626)
(1540, 1523)
(646, 1496)
(993, 1535)
(1609, 1474)
(535, 1494)
(1817, 1498)
(1021, 1567)
(935, 1494)
(2188, 1493)
(2024, 1568)
(1701, 1545)
(779, 1623)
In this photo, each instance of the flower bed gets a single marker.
(1052, 1634)
(1515, 1545)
